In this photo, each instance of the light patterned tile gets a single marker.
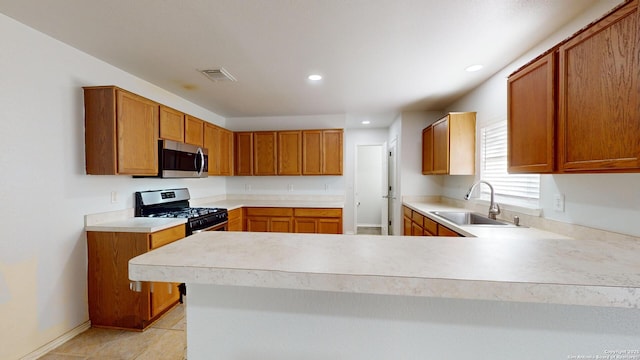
(171, 318)
(170, 346)
(90, 342)
(56, 356)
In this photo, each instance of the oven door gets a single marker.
(216, 227)
(180, 160)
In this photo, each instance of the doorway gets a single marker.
(371, 207)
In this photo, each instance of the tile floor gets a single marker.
(164, 340)
(365, 230)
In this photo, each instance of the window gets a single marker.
(516, 189)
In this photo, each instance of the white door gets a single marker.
(392, 187)
(384, 201)
(371, 204)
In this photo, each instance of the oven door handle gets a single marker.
(200, 155)
(222, 224)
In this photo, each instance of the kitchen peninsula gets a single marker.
(311, 296)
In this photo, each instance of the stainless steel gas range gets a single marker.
(174, 203)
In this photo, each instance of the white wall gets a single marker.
(44, 193)
(602, 201)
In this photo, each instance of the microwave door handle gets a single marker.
(201, 167)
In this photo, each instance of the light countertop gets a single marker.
(136, 224)
(562, 271)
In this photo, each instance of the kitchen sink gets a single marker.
(468, 218)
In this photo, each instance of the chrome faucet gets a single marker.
(494, 208)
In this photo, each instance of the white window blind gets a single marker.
(517, 189)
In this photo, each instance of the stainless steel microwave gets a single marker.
(180, 160)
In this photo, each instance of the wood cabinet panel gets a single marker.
(332, 149)
(312, 152)
(193, 130)
(112, 303)
(305, 225)
(427, 150)
(452, 141)
(257, 223)
(211, 142)
(430, 226)
(289, 152)
(330, 226)
(445, 231)
(171, 124)
(416, 229)
(317, 212)
(225, 153)
(269, 211)
(243, 149)
(531, 116)
(121, 132)
(265, 153)
(281, 224)
(236, 220)
(599, 95)
(318, 220)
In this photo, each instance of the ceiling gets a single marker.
(377, 57)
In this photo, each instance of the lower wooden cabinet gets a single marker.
(112, 301)
(294, 220)
(235, 219)
(416, 224)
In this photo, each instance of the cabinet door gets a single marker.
(441, 146)
(332, 152)
(311, 152)
(416, 230)
(171, 124)
(281, 224)
(599, 111)
(225, 152)
(193, 130)
(305, 225)
(243, 148)
(289, 152)
(427, 150)
(236, 220)
(444, 231)
(164, 295)
(258, 223)
(329, 226)
(212, 143)
(137, 128)
(264, 153)
(531, 116)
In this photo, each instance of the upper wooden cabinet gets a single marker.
(294, 152)
(322, 152)
(219, 142)
(193, 130)
(582, 115)
(121, 132)
(265, 158)
(531, 112)
(453, 143)
(427, 150)
(289, 152)
(171, 124)
(243, 150)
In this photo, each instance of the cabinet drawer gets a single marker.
(265, 211)
(444, 231)
(312, 212)
(164, 237)
(416, 217)
(430, 226)
(406, 211)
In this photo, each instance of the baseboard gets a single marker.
(58, 341)
(370, 225)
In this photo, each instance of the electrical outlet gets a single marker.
(114, 197)
(326, 187)
(558, 202)
(290, 187)
(247, 187)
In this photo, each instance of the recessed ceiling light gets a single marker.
(315, 77)
(365, 122)
(473, 68)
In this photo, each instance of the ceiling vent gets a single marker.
(217, 75)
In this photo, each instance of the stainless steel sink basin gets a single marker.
(468, 218)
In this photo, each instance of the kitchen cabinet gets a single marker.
(171, 124)
(219, 143)
(243, 153)
(265, 158)
(449, 146)
(236, 219)
(289, 151)
(317, 221)
(322, 152)
(416, 224)
(531, 113)
(576, 108)
(112, 301)
(193, 131)
(427, 150)
(121, 132)
(264, 219)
